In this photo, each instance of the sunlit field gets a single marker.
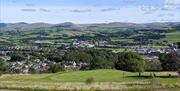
(102, 80)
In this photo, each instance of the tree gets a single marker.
(153, 65)
(178, 44)
(78, 56)
(171, 62)
(56, 68)
(17, 57)
(55, 56)
(130, 61)
(101, 63)
(89, 80)
(3, 66)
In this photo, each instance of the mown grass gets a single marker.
(103, 80)
(105, 75)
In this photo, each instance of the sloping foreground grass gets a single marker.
(103, 80)
(85, 87)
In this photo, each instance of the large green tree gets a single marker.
(78, 56)
(101, 63)
(171, 62)
(153, 65)
(130, 61)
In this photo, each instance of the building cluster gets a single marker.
(83, 44)
(42, 65)
(156, 50)
(27, 66)
(35, 65)
(74, 65)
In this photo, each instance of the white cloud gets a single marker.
(149, 9)
(172, 2)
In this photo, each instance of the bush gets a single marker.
(178, 71)
(4, 66)
(89, 80)
(56, 68)
(17, 57)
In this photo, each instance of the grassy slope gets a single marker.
(104, 79)
(81, 76)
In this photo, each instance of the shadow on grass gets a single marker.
(153, 76)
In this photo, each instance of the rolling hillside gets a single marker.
(102, 79)
(22, 26)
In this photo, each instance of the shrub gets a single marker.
(56, 68)
(89, 80)
(17, 57)
(153, 82)
(4, 66)
(178, 72)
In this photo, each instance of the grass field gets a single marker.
(103, 79)
(172, 37)
(116, 49)
(155, 47)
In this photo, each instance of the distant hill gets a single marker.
(68, 25)
(22, 26)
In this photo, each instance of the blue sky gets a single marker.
(89, 11)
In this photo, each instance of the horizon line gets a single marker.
(91, 23)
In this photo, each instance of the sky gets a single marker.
(89, 11)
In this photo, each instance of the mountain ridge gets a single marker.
(23, 26)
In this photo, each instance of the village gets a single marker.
(39, 65)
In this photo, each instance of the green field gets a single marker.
(155, 47)
(116, 49)
(103, 79)
(129, 49)
(172, 37)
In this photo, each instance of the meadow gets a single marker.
(105, 79)
(171, 37)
